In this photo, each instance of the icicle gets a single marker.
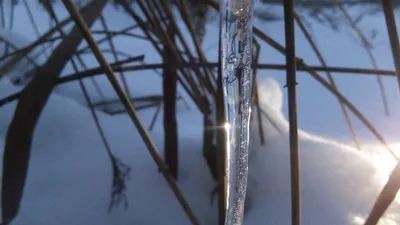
(236, 25)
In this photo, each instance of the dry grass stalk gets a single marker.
(171, 152)
(153, 121)
(130, 109)
(187, 84)
(389, 192)
(367, 46)
(329, 87)
(114, 53)
(120, 170)
(33, 98)
(49, 7)
(2, 13)
(293, 126)
(118, 66)
(330, 78)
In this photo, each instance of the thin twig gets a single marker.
(188, 86)
(367, 47)
(330, 78)
(153, 121)
(329, 87)
(53, 15)
(293, 127)
(117, 66)
(114, 53)
(130, 109)
(3, 19)
(389, 192)
(32, 20)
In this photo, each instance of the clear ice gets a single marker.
(236, 48)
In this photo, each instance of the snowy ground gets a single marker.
(70, 175)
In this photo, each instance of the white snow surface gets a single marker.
(19, 41)
(69, 177)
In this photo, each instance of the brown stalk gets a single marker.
(3, 19)
(130, 109)
(147, 98)
(185, 15)
(109, 50)
(393, 35)
(114, 53)
(171, 151)
(28, 110)
(191, 79)
(32, 20)
(7, 67)
(209, 149)
(389, 192)
(120, 170)
(200, 78)
(330, 78)
(367, 47)
(145, 29)
(153, 121)
(97, 71)
(11, 22)
(316, 76)
(115, 33)
(293, 127)
(20, 53)
(118, 67)
(53, 16)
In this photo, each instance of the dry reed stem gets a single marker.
(316, 76)
(153, 121)
(117, 66)
(2, 13)
(203, 80)
(145, 29)
(20, 53)
(49, 7)
(367, 47)
(130, 109)
(8, 66)
(390, 190)
(330, 78)
(185, 15)
(293, 126)
(33, 23)
(114, 53)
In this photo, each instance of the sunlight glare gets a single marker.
(384, 161)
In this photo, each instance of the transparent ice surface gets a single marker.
(236, 31)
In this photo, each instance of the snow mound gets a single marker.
(21, 71)
(339, 185)
(69, 178)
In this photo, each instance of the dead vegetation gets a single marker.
(181, 66)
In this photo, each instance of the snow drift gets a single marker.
(69, 179)
(20, 73)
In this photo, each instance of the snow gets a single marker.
(18, 41)
(69, 179)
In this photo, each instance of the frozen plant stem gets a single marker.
(236, 58)
(130, 109)
(293, 128)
